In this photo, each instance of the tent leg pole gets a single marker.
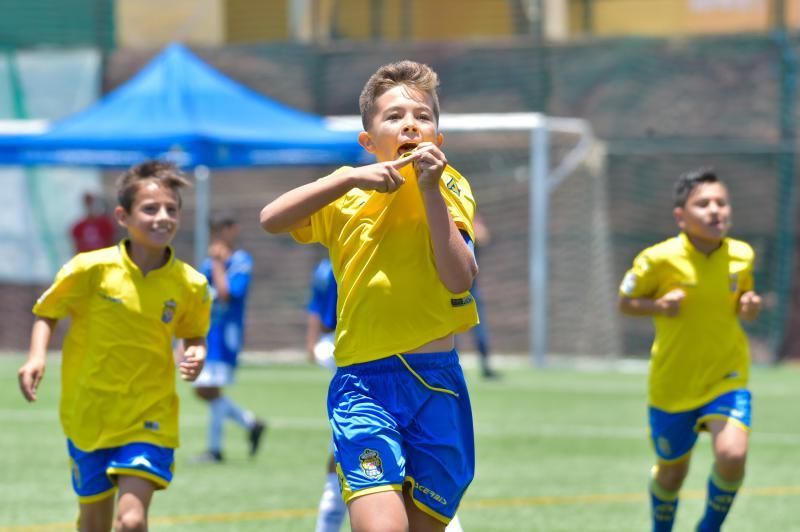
(202, 185)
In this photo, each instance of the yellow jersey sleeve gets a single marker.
(320, 228)
(642, 279)
(195, 321)
(68, 292)
(457, 195)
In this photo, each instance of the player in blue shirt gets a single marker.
(228, 271)
(319, 345)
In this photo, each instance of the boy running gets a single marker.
(119, 408)
(696, 286)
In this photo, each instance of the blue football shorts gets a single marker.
(673, 434)
(94, 473)
(405, 419)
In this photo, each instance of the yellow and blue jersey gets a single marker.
(118, 371)
(391, 299)
(702, 353)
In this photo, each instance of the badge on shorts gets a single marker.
(168, 312)
(371, 464)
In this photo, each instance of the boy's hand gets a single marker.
(670, 303)
(383, 177)
(30, 375)
(749, 305)
(429, 165)
(194, 357)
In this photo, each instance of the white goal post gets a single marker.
(543, 179)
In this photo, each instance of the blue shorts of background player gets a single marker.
(674, 434)
(94, 473)
(420, 432)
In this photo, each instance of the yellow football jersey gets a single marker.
(702, 352)
(391, 299)
(118, 371)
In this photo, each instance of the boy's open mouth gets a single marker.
(407, 147)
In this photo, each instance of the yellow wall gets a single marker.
(675, 17)
(429, 19)
(256, 20)
(204, 22)
(144, 23)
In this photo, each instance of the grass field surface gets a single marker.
(557, 450)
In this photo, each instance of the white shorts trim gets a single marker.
(215, 374)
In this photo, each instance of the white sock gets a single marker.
(454, 525)
(217, 409)
(242, 417)
(332, 508)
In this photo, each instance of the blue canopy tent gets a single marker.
(179, 108)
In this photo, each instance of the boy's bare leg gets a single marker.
(419, 521)
(96, 516)
(134, 500)
(730, 448)
(378, 512)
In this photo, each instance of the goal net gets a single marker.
(547, 288)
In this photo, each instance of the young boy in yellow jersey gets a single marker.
(398, 234)
(696, 286)
(119, 408)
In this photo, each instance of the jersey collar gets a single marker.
(689, 247)
(133, 267)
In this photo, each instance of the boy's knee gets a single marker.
(131, 521)
(671, 476)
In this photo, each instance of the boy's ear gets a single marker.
(365, 140)
(121, 216)
(677, 213)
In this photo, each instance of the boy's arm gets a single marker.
(218, 253)
(32, 372)
(293, 209)
(194, 356)
(455, 262)
(667, 305)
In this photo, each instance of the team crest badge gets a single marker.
(168, 312)
(371, 464)
(451, 185)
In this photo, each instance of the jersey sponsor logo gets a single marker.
(109, 298)
(371, 464)
(430, 493)
(141, 461)
(461, 301)
(734, 282)
(453, 187)
(168, 312)
(628, 284)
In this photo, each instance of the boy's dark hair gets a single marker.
(166, 174)
(413, 75)
(221, 219)
(689, 181)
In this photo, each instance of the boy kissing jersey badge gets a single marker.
(168, 312)
(371, 464)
